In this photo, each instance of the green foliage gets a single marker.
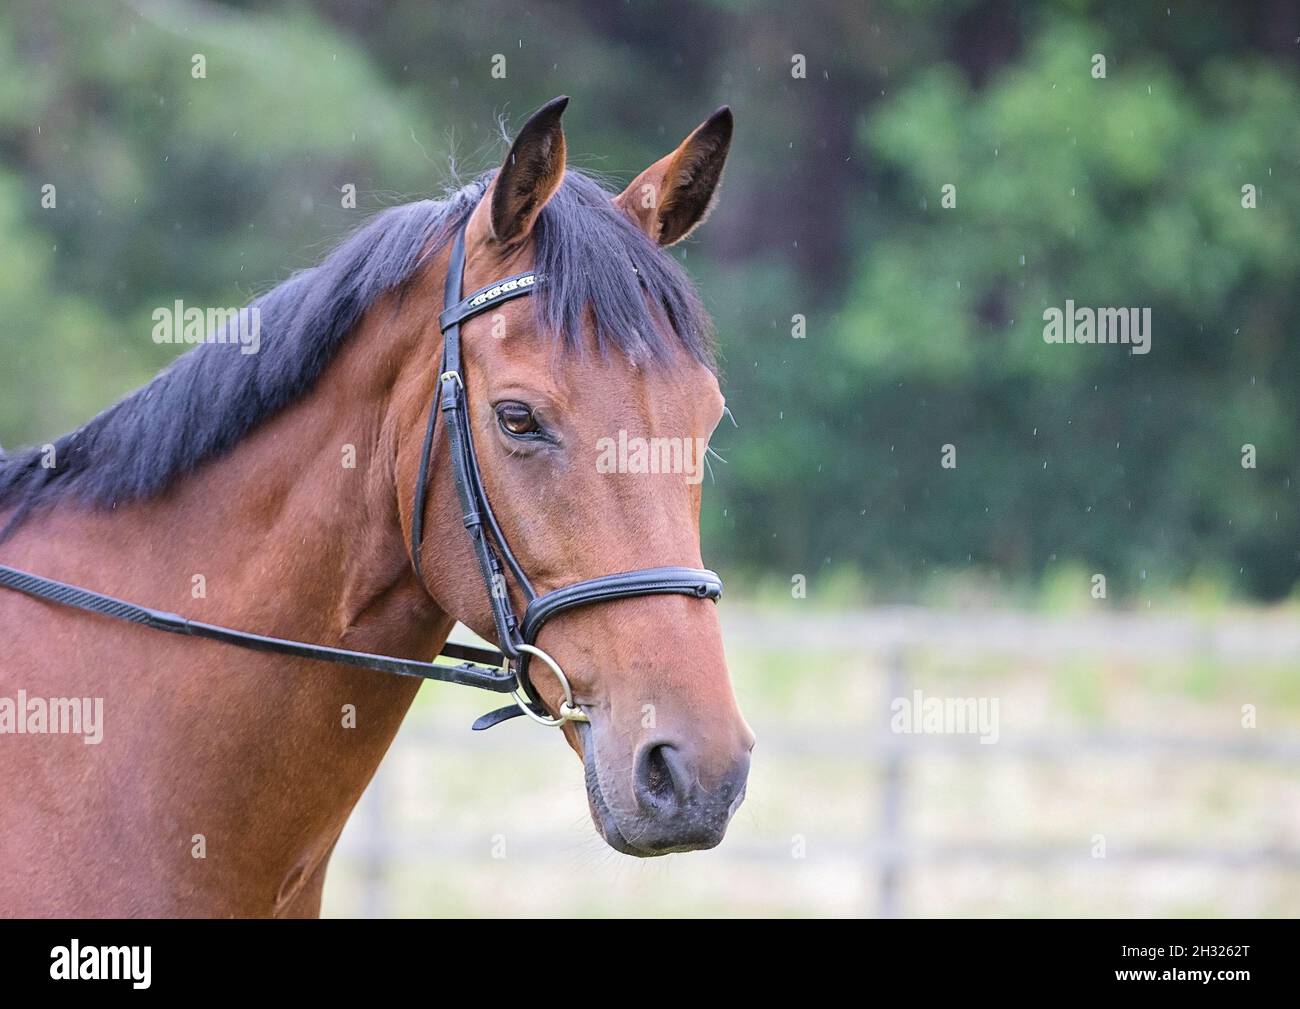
(924, 324)
(1115, 192)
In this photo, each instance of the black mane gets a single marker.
(594, 265)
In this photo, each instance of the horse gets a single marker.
(273, 492)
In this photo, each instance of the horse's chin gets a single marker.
(607, 828)
(601, 815)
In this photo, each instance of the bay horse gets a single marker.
(272, 492)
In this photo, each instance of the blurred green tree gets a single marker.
(922, 324)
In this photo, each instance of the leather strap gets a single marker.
(647, 582)
(696, 582)
(497, 716)
(421, 494)
(469, 672)
(476, 512)
(485, 297)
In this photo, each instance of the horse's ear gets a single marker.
(674, 195)
(532, 172)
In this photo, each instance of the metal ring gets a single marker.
(569, 711)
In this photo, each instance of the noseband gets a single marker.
(504, 671)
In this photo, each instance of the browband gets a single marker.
(485, 297)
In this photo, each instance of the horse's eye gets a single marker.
(517, 420)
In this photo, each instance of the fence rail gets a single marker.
(892, 638)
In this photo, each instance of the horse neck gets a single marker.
(296, 532)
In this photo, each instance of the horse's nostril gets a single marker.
(655, 783)
(658, 777)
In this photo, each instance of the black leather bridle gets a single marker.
(516, 638)
(504, 671)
